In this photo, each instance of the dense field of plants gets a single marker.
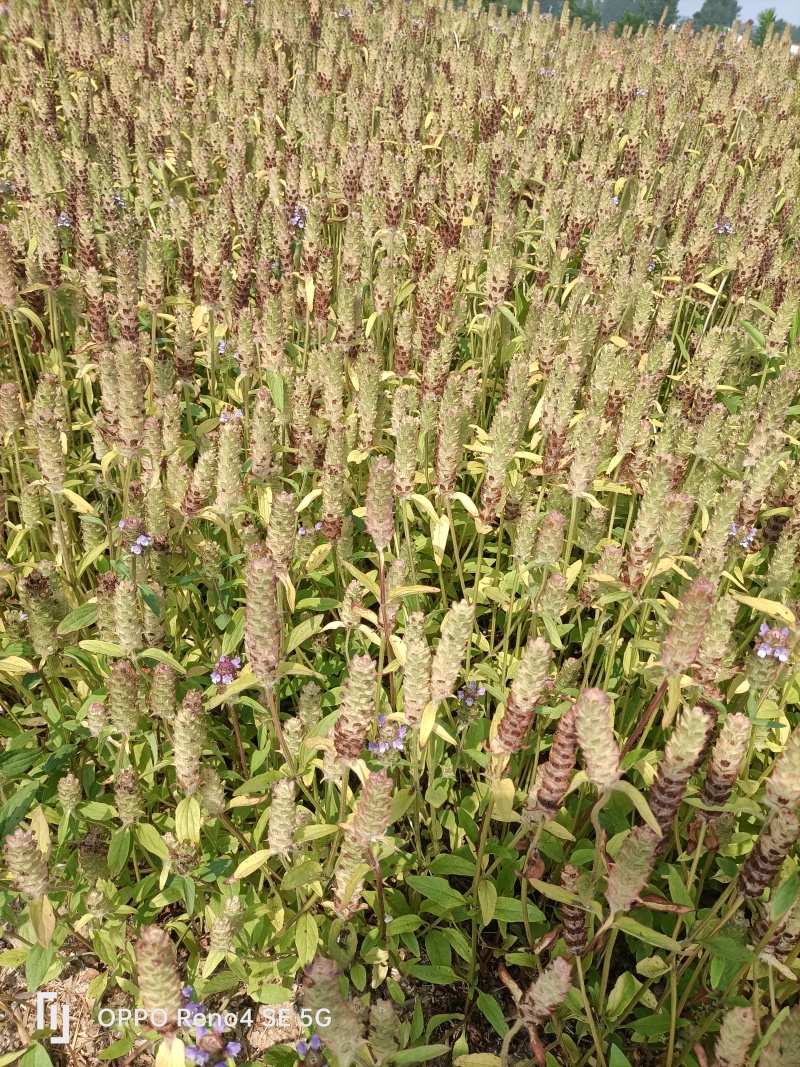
(399, 569)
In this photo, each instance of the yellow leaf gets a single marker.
(467, 503)
(573, 571)
(478, 1059)
(16, 665)
(620, 342)
(78, 503)
(425, 505)
(427, 723)
(705, 288)
(503, 796)
(412, 590)
(199, 317)
(318, 557)
(252, 863)
(440, 531)
(772, 608)
(307, 499)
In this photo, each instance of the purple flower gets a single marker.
(64, 221)
(222, 346)
(373, 747)
(187, 992)
(302, 1048)
(226, 670)
(196, 1055)
(144, 541)
(233, 1048)
(316, 1042)
(317, 525)
(136, 549)
(201, 1031)
(302, 531)
(773, 643)
(382, 720)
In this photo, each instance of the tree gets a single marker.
(766, 18)
(717, 13)
(646, 11)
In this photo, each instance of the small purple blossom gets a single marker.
(773, 643)
(298, 219)
(723, 226)
(23, 616)
(302, 1049)
(382, 720)
(233, 1048)
(196, 1055)
(187, 992)
(64, 221)
(615, 200)
(119, 200)
(226, 670)
(746, 540)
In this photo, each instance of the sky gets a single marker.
(786, 9)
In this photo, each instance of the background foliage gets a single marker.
(399, 533)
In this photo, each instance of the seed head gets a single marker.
(526, 689)
(456, 632)
(26, 864)
(682, 642)
(159, 981)
(321, 990)
(188, 738)
(596, 739)
(262, 634)
(633, 865)
(282, 817)
(735, 1038)
(380, 503)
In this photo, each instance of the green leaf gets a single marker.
(43, 920)
(617, 1058)
(459, 865)
(509, 910)
(160, 656)
(302, 632)
(487, 898)
(404, 924)
(435, 975)
(188, 819)
(784, 896)
(421, 1054)
(150, 598)
(81, 617)
(102, 648)
(119, 1049)
(252, 864)
(437, 890)
(306, 938)
(644, 933)
(16, 808)
(275, 384)
(639, 802)
(35, 1055)
(37, 965)
(727, 949)
(302, 874)
(493, 1012)
(119, 850)
(150, 840)
(677, 889)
